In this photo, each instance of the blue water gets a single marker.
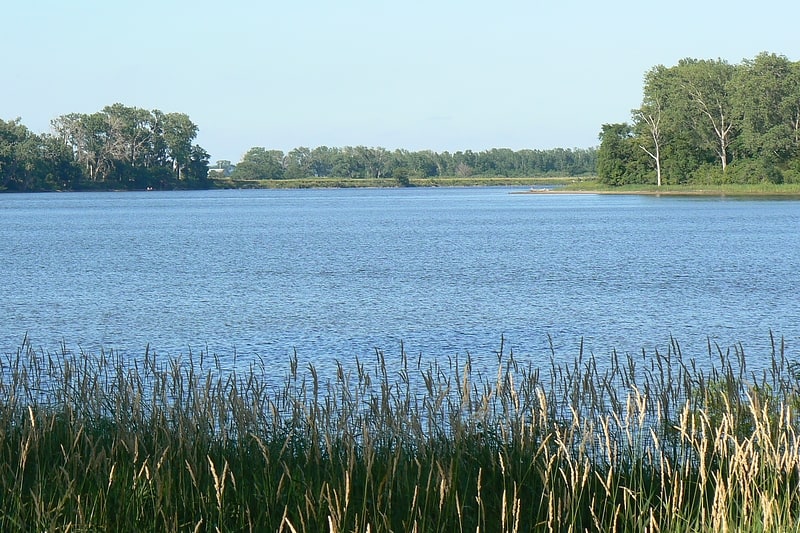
(335, 274)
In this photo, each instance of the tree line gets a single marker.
(700, 121)
(119, 147)
(122, 147)
(356, 162)
(709, 122)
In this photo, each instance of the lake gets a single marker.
(337, 274)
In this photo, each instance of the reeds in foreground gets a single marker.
(652, 443)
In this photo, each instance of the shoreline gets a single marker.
(722, 193)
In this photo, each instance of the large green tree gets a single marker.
(130, 147)
(30, 162)
(767, 98)
(14, 165)
(298, 163)
(616, 153)
(651, 120)
(710, 121)
(197, 168)
(259, 164)
(179, 131)
(709, 112)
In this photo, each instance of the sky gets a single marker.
(441, 75)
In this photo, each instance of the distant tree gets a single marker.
(11, 134)
(707, 121)
(298, 163)
(373, 161)
(766, 94)
(463, 170)
(321, 161)
(793, 105)
(424, 164)
(259, 164)
(57, 165)
(197, 168)
(706, 90)
(158, 155)
(17, 156)
(402, 177)
(488, 164)
(616, 152)
(347, 163)
(377, 162)
(648, 118)
(179, 131)
(30, 162)
(130, 147)
(129, 133)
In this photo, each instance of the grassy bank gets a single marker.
(554, 184)
(733, 190)
(95, 443)
(443, 181)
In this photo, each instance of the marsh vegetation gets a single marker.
(650, 442)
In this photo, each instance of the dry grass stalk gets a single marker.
(653, 443)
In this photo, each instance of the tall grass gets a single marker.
(654, 442)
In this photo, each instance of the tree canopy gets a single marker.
(122, 147)
(707, 121)
(699, 122)
(355, 162)
(119, 147)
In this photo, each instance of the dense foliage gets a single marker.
(376, 162)
(119, 147)
(709, 122)
(124, 147)
(700, 122)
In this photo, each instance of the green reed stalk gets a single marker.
(652, 442)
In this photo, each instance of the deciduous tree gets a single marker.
(706, 90)
(258, 164)
(765, 93)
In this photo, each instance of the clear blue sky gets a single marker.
(414, 74)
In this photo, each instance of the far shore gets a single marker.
(536, 185)
(669, 192)
(760, 190)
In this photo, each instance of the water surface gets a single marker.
(335, 274)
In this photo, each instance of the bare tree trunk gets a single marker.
(655, 132)
(721, 126)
